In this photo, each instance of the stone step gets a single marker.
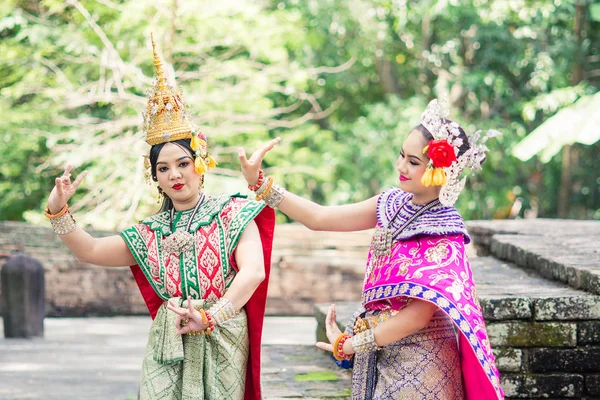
(564, 250)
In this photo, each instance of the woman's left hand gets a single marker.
(331, 330)
(188, 319)
(251, 167)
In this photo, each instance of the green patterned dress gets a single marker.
(204, 367)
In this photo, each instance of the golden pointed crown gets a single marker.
(167, 118)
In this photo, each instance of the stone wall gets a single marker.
(546, 334)
(307, 267)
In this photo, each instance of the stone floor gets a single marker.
(100, 358)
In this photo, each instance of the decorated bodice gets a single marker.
(206, 269)
(395, 208)
(429, 263)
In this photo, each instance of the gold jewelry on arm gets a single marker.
(275, 196)
(270, 192)
(364, 342)
(59, 214)
(264, 189)
(338, 347)
(223, 310)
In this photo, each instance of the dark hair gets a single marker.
(167, 203)
(428, 136)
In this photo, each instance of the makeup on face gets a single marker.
(411, 166)
(175, 169)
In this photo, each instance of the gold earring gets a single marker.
(201, 186)
(161, 194)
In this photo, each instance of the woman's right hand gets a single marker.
(332, 330)
(188, 318)
(63, 190)
(251, 167)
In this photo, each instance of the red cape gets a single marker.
(255, 307)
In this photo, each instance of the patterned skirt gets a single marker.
(209, 367)
(422, 366)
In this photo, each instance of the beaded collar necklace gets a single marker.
(384, 236)
(181, 240)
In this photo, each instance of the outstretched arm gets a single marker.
(109, 251)
(346, 218)
(351, 217)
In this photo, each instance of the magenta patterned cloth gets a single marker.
(435, 268)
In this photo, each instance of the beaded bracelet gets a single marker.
(261, 178)
(211, 324)
(338, 347)
(263, 185)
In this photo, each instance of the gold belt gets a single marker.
(366, 323)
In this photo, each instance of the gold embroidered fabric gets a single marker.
(422, 366)
(203, 367)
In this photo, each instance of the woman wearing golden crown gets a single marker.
(202, 264)
(418, 287)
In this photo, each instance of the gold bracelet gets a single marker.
(223, 310)
(264, 194)
(338, 351)
(59, 214)
(364, 342)
(64, 224)
(275, 196)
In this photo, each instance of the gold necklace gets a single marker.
(181, 240)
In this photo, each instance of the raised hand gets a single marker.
(191, 318)
(331, 330)
(251, 167)
(63, 190)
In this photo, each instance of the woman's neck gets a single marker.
(186, 204)
(424, 198)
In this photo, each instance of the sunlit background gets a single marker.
(341, 81)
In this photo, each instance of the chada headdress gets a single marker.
(167, 119)
(445, 165)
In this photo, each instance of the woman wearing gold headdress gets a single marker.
(201, 264)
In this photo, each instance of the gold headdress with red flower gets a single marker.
(167, 118)
(445, 165)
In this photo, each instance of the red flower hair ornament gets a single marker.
(445, 167)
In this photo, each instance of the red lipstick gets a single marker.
(403, 178)
(178, 186)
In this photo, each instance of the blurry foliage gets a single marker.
(342, 81)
